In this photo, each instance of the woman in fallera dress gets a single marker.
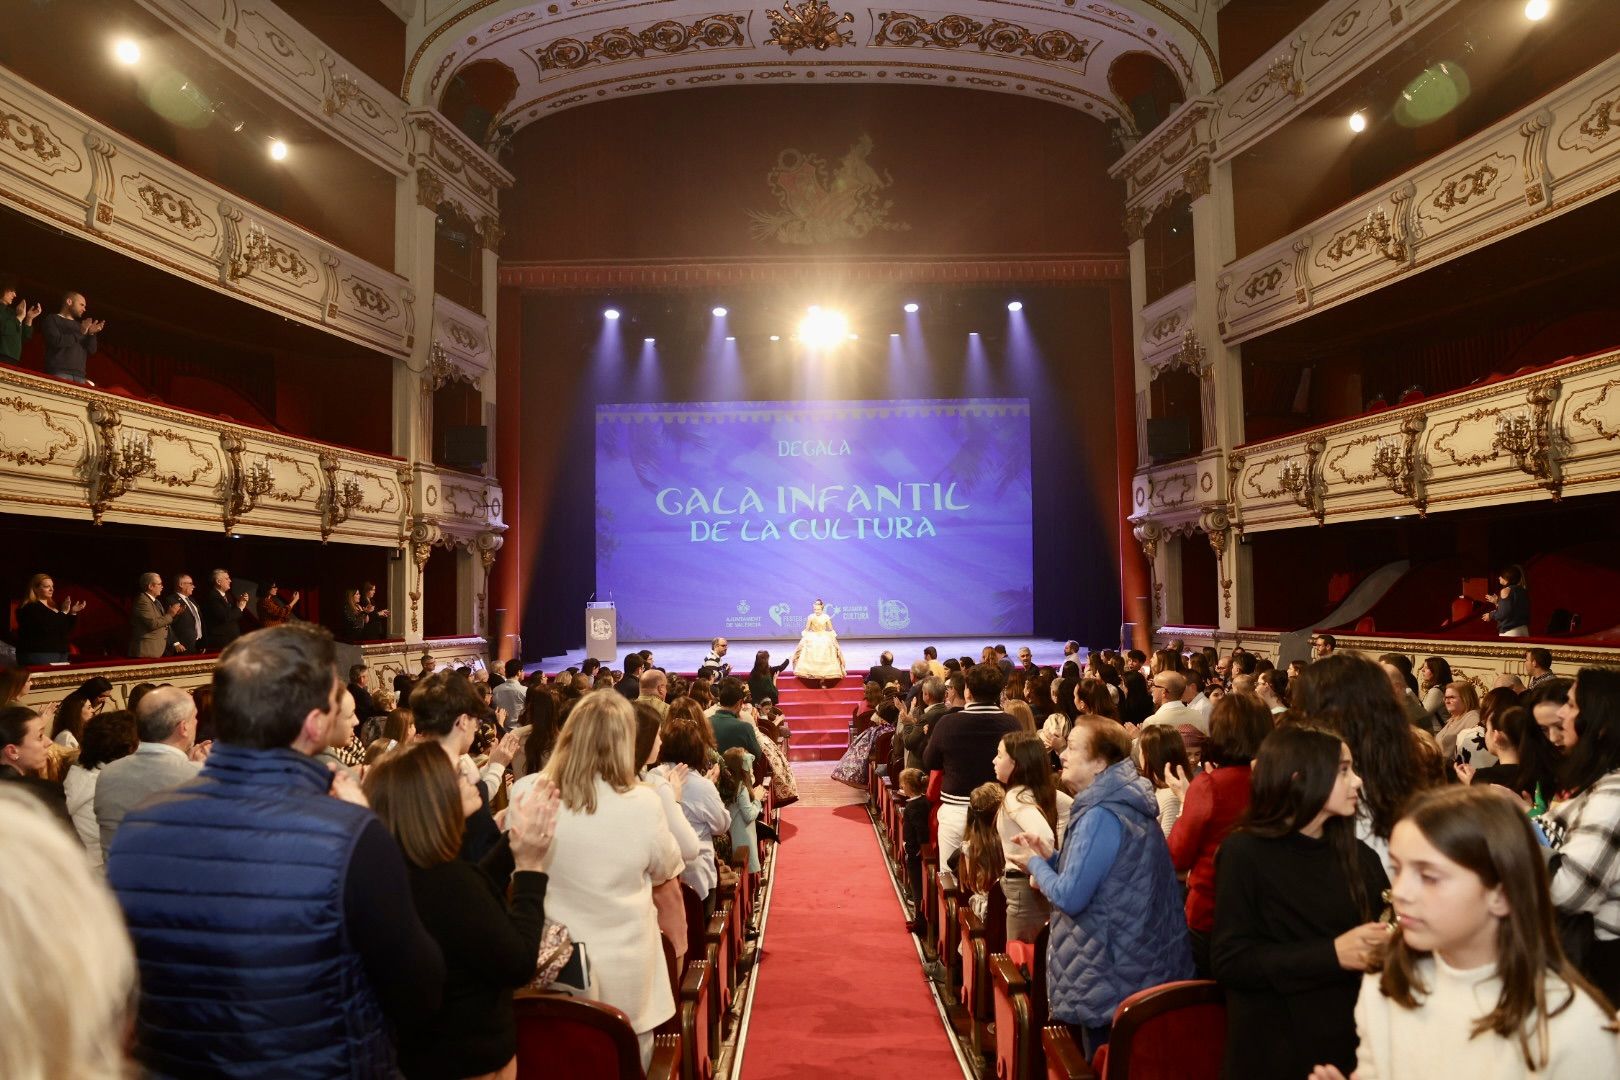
(818, 656)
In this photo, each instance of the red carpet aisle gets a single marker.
(841, 993)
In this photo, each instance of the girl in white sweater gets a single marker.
(1474, 982)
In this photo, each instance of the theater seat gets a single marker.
(1176, 1031)
(565, 1038)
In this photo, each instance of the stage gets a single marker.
(859, 653)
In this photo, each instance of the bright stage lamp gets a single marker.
(611, 313)
(776, 337)
(1016, 305)
(821, 329)
(127, 51)
(1536, 10)
(1358, 122)
(278, 150)
(911, 309)
(719, 313)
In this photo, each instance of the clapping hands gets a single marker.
(1026, 844)
(92, 326)
(69, 607)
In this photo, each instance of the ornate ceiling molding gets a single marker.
(697, 274)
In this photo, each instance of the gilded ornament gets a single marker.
(901, 29)
(66, 438)
(821, 205)
(667, 38)
(810, 25)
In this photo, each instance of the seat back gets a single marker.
(696, 924)
(565, 1038)
(1172, 1032)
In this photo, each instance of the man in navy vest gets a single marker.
(270, 910)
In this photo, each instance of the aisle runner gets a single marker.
(841, 993)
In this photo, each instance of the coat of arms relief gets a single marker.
(822, 204)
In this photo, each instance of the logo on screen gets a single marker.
(893, 614)
(780, 612)
(742, 607)
(601, 629)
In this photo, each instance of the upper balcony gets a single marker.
(1557, 154)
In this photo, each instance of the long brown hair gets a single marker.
(1032, 774)
(982, 859)
(1484, 833)
(416, 795)
(598, 742)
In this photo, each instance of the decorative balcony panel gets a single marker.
(70, 451)
(1166, 323)
(59, 165)
(1560, 153)
(1170, 160)
(274, 52)
(456, 504)
(1545, 434)
(461, 346)
(1179, 492)
(1338, 40)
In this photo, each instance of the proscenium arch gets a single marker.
(567, 53)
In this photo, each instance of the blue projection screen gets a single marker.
(910, 518)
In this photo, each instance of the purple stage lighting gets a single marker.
(611, 313)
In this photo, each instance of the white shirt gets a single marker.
(80, 788)
(1433, 1040)
(1019, 814)
(1202, 703)
(1174, 713)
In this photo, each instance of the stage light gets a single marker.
(1016, 305)
(611, 313)
(776, 337)
(719, 313)
(1358, 121)
(730, 338)
(1536, 10)
(894, 335)
(911, 309)
(648, 340)
(823, 329)
(127, 51)
(278, 150)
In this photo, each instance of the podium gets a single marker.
(601, 631)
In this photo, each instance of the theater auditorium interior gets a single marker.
(1067, 539)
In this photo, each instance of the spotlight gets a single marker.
(719, 313)
(854, 337)
(776, 337)
(911, 309)
(127, 51)
(730, 338)
(973, 333)
(648, 340)
(1016, 305)
(894, 335)
(237, 127)
(1358, 121)
(823, 329)
(611, 313)
(278, 150)
(1536, 10)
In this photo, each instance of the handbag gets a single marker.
(556, 949)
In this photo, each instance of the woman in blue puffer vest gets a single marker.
(1117, 925)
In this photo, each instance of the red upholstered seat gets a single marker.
(564, 1038)
(1172, 1032)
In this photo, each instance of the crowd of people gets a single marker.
(1388, 871)
(176, 620)
(308, 878)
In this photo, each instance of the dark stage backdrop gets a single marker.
(1056, 358)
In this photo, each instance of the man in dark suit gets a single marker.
(359, 688)
(886, 673)
(185, 632)
(630, 685)
(221, 613)
(149, 620)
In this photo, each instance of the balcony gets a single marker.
(1557, 154)
(1180, 492)
(70, 451)
(1539, 434)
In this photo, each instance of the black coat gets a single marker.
(884, 674)
(184, 630)
(222, 620)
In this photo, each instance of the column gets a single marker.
(416, 200)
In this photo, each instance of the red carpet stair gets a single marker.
(818, 718)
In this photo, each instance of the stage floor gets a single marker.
(859, 653)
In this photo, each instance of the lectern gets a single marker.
(601, 631)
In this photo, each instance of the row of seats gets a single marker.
(997, 989)
(568, 1038)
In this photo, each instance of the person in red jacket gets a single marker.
(1211, 803)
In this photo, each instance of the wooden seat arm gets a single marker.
(666, 1058)
(1064, 1060)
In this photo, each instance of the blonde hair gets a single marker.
(33, 588)
(597, 742)
(67, 970)
(1021, 712)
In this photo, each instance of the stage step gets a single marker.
(819, 716)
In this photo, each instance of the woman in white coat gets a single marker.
(612, 845)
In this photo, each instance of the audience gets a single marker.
(43, 626)
(222, 613)
(273, 610)
(490, 942)
(743, 800)
(668, 782)
(76, 710)
(681, 746)
(166, 757)
(107, 738)
(70, 339)
(1033, 805)
(1462, 713)
(360, 949)
(961, 751)
(24, 755)
(1296, 898)
(150, 618)
(1161, 751)
(185, 631)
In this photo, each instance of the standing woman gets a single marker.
(490, 944)
(1433, 678)
(681, 743)
(43, 628)
(1512, 612)
(1462, 713)
(106, 738)
(612, 845)
(1065, 710)
(1581, 829)
(1033, 805)
(1138, 703)
(667, 781)
(762, 679)
(1295, 900)
(1116, 906)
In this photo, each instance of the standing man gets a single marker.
(185, 631)
(886, 673)
(166, 758)
(630, 685)
(149, 619)
(221, 614)
(1537, 666)
(1322, 645)
(512, 693)
(962, 748)
(730, 729)
(360, 689)
(716, 658)
(70, 338)
(276, 840)
(655, 691)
